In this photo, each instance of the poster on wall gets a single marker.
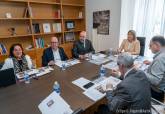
(101, 21)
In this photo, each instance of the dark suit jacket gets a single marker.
(133, 93)
(48, 55)
(78, 48)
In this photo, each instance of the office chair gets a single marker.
(142, 41)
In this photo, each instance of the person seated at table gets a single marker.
(82, 47)
(132, 95)
(156, 70)
(17, 59)
(131, 44)
(53, 53)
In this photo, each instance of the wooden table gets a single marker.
(25, 98)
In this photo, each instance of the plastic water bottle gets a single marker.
(26, 78)
(110, 52)
(102, 71)
(63, 65)
(56, 87)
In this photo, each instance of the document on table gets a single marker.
(54, 104)
(99, 61)
(112, 65)
(81, 82)
(96, 92)
(37, 72)
(67, 63)
(98, 56)
(44, 70)
(158, 109)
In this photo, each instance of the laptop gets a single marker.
(7, 77)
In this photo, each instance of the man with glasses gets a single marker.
(156, 70)
(53, 53)
(82, 47)
(132, 95)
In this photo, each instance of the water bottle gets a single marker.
(63, 65)
(26, 78)
(110, 52)
(102, 71)
(56, 87)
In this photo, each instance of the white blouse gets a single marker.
(9, 63)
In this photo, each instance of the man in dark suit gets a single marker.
(82, 47)
(132, 95)
(53, 53)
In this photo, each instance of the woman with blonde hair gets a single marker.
(131, 44)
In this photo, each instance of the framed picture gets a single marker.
(101, 21)
(70, 36)
(69, 25)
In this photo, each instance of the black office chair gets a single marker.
(78, 111)
(142, 41)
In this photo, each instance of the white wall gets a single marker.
(104, 41)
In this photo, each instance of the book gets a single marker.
(46, 28)
(57, 27)
(70, 36)
(3, 49)
(25, 15)
(39, 42)
(36, 28)
(30, 11)
(80, 15)
(57, 14)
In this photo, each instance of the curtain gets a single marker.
(148, 19)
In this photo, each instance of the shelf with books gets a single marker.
(74, 2)
(73, 31)
(16, 1)
(76, 5)
(51, 11)
(15, 36)
(39, 34)
(17, 19)
(73, 18)
(46, 18)
(45, 2)
(77, 12)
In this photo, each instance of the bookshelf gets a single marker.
(19, 20)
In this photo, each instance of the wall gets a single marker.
(103, 42)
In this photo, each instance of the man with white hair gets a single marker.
(132, 95)
(53, 53)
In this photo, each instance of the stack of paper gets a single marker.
(67, 63)
(54, 104)
(99, 61)
(81, 82)
(98, 56)
(96, 92)
(112, 65)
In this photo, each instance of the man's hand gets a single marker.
(51, 63)
(115, 73)
(108, 87)
(147, 62)
(82, 57)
